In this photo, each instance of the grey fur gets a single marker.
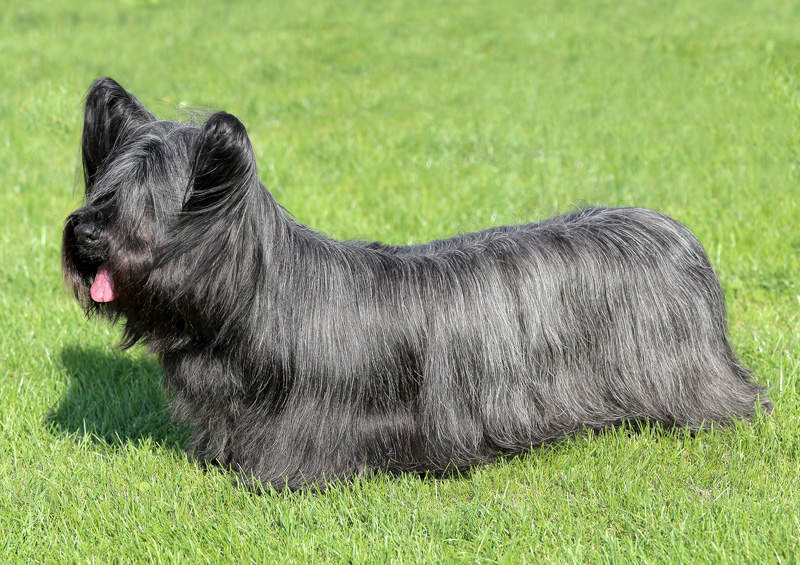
(299, 359)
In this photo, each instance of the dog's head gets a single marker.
(162, 201)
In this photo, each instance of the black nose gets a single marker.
(85, 233)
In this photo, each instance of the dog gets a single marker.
(298, 360)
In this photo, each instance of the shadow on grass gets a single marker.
(113, 398)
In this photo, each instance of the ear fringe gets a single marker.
(223, 183)
(224, 167)
(222, 216)
(110, 115)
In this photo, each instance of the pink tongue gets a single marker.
(103, 286)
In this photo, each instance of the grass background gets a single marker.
(405, 122)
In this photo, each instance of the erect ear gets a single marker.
(111, 114)
(224, 165)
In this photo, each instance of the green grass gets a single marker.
(406, 123)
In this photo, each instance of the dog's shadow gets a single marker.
(114, 397)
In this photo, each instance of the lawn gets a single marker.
(405, 122)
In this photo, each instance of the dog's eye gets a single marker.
(103, 213)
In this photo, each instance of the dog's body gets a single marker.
(298, 359)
